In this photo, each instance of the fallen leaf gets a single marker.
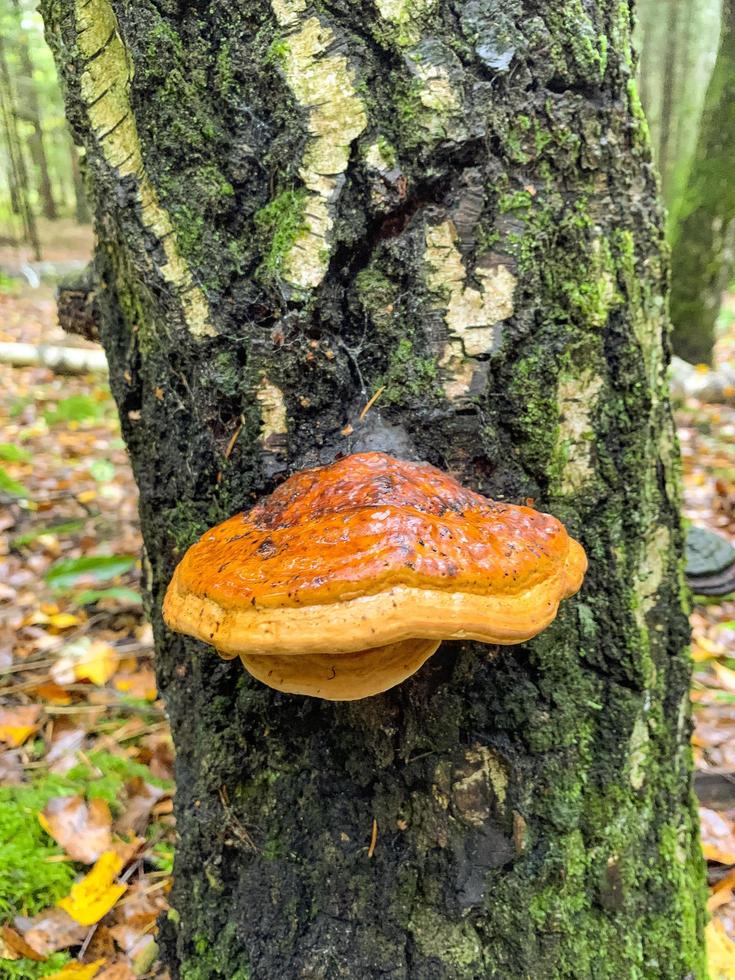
(77, 971)
(713, 852)
(117, 971)
(93, 897)
(720, 952)
(139, 685)
(63, 621)
(83, 829)
(18, 724)
(52, 930)
(142, 797)
(725, 676)
(17, 943)
(85, 660)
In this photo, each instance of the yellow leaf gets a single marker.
(714, 853)
(77, 971)
(86, 496)
(62, 621)
(720, 952)
(725, 676)
(699, 654)
(92, 898)
(18, 724)
(98, 663)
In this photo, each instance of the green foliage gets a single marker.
(66, 573)
(11, 486)
(13, 454)
(78, 408)
(89, 597)
(102, 470)
(66, 527)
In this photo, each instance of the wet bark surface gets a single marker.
(452, 201)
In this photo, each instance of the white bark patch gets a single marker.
(651, 571)
(274, 425)
(405, 16)
(473, 313)
(577, 397)
(380, 156)
(321, 82)
(105, 89)
(638, 753)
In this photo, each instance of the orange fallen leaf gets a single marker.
(19, 945)
(93, 897)
(83, 829)
(52, 693)
(18, 724)
(718, 899)
(77, 971)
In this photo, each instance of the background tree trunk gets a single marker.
(32, 114)
(702, 250)
(19, 189)
(452, 201)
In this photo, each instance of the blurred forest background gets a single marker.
(85, 756)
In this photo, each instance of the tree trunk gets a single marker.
(81, 210)
(452, 202)
(32, 114)
(704, 237)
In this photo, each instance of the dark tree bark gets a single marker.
(295, 206)
(82, 212)
(704, 234)
(32, 114)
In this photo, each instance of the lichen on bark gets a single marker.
(104, 88)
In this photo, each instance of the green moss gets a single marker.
(29, 881)
(408, 376)
(457, 945)
(282, 221)
(24, 969)
(518, 200)
(211, 960)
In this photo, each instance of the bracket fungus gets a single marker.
(345, 579)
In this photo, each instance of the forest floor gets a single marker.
(86, 761)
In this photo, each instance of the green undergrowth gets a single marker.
(32, 877)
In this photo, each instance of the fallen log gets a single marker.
(61, 360)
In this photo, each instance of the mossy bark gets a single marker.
(704, 221)
(453, 201)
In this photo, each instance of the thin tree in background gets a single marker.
(704, 232)
(19, 173)
(452, 203)
(29, 110)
